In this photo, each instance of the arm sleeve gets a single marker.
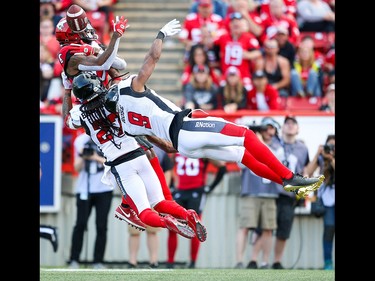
(219, 176)
(106, 65)
(119, 63)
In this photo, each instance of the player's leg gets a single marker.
(137, 180)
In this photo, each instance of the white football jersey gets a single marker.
(144, 113)
(111, 146)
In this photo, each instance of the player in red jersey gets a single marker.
(86, 46)
(191, 192)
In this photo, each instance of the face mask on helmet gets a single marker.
(88, 34)
(64, 34)
(87, 86)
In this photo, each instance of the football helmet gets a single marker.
(64, 34)
(87, 86)
(79, 23)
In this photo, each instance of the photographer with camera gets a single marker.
(90, 192)
(324, 160)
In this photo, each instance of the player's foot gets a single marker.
(298, 181)
(196, 225)
(305, 191)
(174, 225)
(129, 215)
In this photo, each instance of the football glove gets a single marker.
(171, 28)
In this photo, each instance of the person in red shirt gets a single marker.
(238, 48)
(194, 23)
(263, 96)
(198, 56)
(277, 17)
(248, 9)
(191, 192)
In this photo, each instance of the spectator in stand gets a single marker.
(257, 204)
(315, 15)
(286, 49)
(329, 68)
(290, 8)
(219, 7)
(47, 37)
(152, 232)
(263, 96)
(191, 32)
(238, 48)
(276, 67)
(191, 190)
(48, 9)
(46, 63)
(296, 157)
(233, 95)
(324, 161)
(328, 102)
(305, 76)
(198, 56)
(276, 18)
(248, 9)
(200, 92)
(90, 193)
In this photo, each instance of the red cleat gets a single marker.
(127, 214)
(196, 225)
(174, 225)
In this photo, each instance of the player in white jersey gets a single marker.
(143, 112)
(126, 163)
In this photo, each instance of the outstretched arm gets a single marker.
(88, 61)
(153, 55)
(162, 143)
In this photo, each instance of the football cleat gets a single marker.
(129, 215)
(298, 181)
(174, 225)
(304, 192)
(196, 225)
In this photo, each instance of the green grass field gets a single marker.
(50, 274)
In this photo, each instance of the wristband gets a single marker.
(160, 36)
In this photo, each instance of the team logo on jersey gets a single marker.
(121, 113)
(204, 125)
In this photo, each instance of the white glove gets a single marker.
(171, 28)
(67, 84)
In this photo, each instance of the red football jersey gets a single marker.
(231, 52)
(271, 95)
(64, 56)
(191, 172)
(192, 26)
(271, 23)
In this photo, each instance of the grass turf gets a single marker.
(51, 274)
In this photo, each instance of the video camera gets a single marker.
(328, 148)
(257, 127)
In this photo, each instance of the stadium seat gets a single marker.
(322, 40)
(306, 103)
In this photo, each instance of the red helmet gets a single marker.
(64, 34)
(79, 23)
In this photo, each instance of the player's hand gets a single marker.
(85, 49)
(120, 25)
(171, 28)
(66, 82)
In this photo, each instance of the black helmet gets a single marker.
(87, 86)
